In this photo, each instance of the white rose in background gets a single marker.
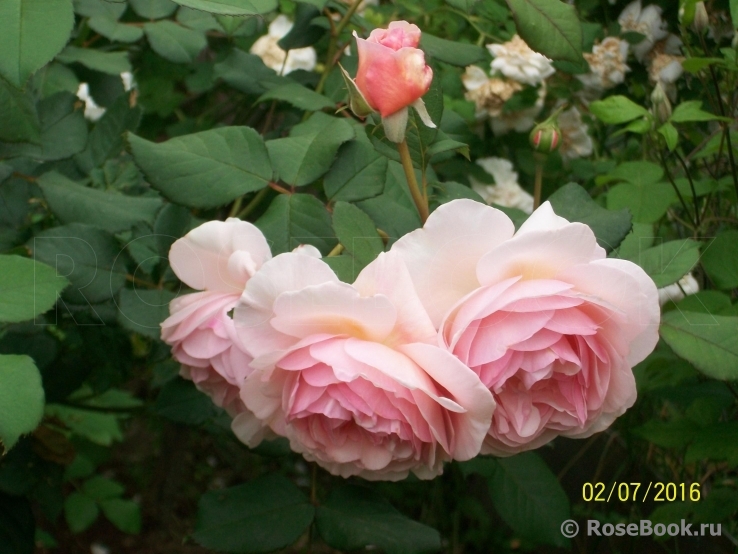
(93, 112)
(273, 56)
(677, 291)
(516, 60)
(575, 139)
(645, 21)
(506, 191)
(607, 67)
(488, 94)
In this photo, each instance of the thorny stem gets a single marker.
(726, 129)
(335, 34)
(671, 180)
(691, 186)
(412, 182)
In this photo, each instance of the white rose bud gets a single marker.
(661, 105)
(701, 20)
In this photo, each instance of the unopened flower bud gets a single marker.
(701, 21)
(660, 104)
(545, 137)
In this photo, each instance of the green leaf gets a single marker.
(295, 219)
(101, 488)
(199, 20)
(108, 8)
(638, 173)
(527, 496)
(355, 517)
(268, 513)
(17, 525)
(705, 340)
(107, 137)
(356, 232)
(112, 63)
(32, 32)
(393, 211)
(304, 32)
(647, 203)
(717, 442)
(670, 134)
(18, 114)
(98, 427)
(206, 169)
(21, 398)
(231, 7)
(174, 42)
(299, 96)
(670, 261)
(84, 255)
(27, 288)
(111, 29)
(574, 203)
(247, 73)
(692, 111)
(80, 511)
(464, 5)
(124, 514)
(142, 310)
(358, 173)
(668, 434)
(720, 260)
(153, 9)
(310, 149)
(114, 212)
(63, 131)
(734, 13)
(453, 52)
(614, 110)
(343, 266)
(448, 191)
(549, 27)
(180, 401)
(695, 65)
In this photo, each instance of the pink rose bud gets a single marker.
(392, 75)
(545, 137)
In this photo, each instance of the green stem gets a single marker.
(336, 251)
(726, 129)
(255, 201)
(335, 35)
(412, 182)
(538, 187)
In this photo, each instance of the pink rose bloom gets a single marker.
(392, 75)
(548, 322)
(352, 375)
(218, 258)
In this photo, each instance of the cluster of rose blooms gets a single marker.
(465, 337)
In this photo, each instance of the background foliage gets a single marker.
(104, 444)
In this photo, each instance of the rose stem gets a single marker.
(539, 183)
(335, 34)
(412, 183)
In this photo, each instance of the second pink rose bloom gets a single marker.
(551, 326)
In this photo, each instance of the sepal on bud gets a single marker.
(357, 102)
